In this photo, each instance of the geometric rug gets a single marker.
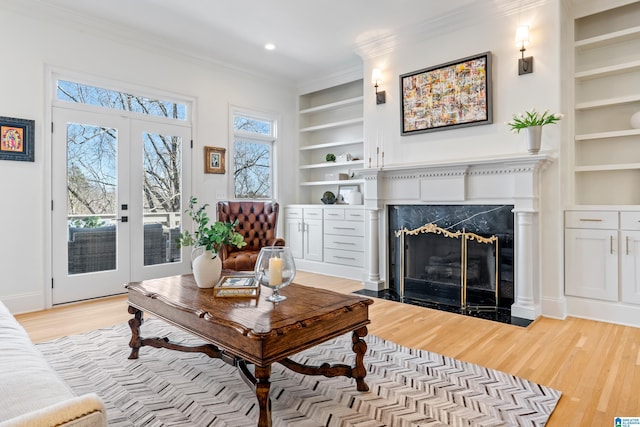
(407, 387)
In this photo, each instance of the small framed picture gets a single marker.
(16, 139)
(343, 190)
(237, 285)
(214, 159)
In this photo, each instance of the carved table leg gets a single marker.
(135, 343)
(360, 348)
(263, 386)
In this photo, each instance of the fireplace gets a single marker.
(460, 256)
(511, 182)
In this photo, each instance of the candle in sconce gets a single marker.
(275, 271)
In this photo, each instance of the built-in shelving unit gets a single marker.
(607, 93)
(331, 121)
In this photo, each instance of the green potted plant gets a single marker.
(330, 157)
(533, 121)
(207, 239)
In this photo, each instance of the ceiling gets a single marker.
(312, 38)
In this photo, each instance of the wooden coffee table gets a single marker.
(244, 331)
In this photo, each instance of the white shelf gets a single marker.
(333, 105)
(608, 71)
(611, 134)
(607, 102)
(608, 39)
(608, 167)
(331, 144)
(336, 182)
(333, 125)
(333, 164)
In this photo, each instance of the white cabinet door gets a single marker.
(295, 236)
(591, 258)
(630, 266)
(313, 239)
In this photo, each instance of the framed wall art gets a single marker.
(214, 159)
(16, 139)
(452, 95)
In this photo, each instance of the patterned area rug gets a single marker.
(407, 387)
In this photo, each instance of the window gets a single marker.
(254, 136)
(113, 99)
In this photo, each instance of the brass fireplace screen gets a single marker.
(464, 237)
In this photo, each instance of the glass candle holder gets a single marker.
(275, 269)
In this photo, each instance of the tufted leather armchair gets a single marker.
(257, 222)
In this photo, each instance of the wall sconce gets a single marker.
(525, 65)
(376, 77)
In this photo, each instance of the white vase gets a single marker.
(534, 139)
(207, 268)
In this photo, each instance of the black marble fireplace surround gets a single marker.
(430, 289)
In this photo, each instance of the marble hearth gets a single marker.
(512, 180)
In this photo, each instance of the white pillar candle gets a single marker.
(275, 271)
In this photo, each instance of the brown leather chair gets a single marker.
(257, 222)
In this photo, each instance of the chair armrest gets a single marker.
(277, 241)
(85, 410)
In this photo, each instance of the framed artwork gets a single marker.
(16, 139)
(452, 95)
(214, 159)
(343, 190)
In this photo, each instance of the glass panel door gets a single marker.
(90, 232)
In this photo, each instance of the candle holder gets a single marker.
(275, 269)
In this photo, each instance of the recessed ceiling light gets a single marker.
(270, 46)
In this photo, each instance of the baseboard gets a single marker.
(604, 311)
(336, 270)
(24, 303)
(555, 308)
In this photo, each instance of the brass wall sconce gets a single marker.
(525, 65)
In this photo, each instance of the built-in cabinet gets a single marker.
(602, 252)
(606, 155)
(327, 239)
(330, 122)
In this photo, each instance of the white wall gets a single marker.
(511, 94)
(30, 45)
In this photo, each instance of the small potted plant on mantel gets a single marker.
(533, 121)
(207, 240)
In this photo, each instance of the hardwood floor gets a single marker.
(596, 365)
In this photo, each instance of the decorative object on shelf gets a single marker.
(346, 157)
(336, 176)
(207, 241)
(275, 269)
(525, 65)
(330, 157)
(16, 139)
(328, 198)
(350, 194)
(462, 88)
(376, 79)
(635, 120)
(533, 122)
(214, 160)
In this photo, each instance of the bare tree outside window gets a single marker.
(253, 157)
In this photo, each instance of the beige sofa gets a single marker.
(31, 393)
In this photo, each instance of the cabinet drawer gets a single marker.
(354, 214)
(345, 228)
(630, 220)
(337, 256)
(312, 213)
(351, 243)
(293, 213)
(591, 219)
(334, 214)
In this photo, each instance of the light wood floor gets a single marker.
(595, 365)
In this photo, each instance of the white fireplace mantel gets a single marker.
(512, 180)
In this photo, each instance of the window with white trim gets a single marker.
(254, 137)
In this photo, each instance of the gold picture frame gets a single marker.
(214, 160)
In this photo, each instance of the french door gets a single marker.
(117, 189)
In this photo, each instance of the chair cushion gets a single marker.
(240, 261)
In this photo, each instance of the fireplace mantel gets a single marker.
(510, 180)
